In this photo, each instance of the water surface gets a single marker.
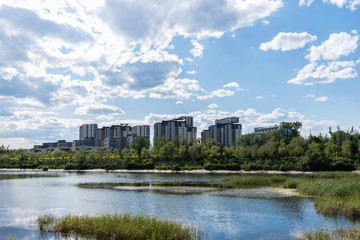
(221, 213)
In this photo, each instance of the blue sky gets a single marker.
(66, 63)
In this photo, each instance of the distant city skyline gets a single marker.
(68, 63)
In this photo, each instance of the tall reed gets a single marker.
(117, 227)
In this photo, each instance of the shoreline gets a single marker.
(198, 171)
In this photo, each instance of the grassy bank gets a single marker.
(117, 227)
(327, 234)
(335, 193)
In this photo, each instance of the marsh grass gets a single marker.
(23, 176)
(157, 184)
(338, 233)
(335, 193)
(117, 226)
(10, 237)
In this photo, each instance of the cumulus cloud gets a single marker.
(175, 88)
(259, 97)
(179, 102)
(338, 45)
(213, 105)
(321, 99)
(233, 85)
(198, 49)
(217, 93)
(99, 109)
(50, 44)
(191, 72)
(325, 73)
(352, 4)
(341, 3)
(305, 2)
(288, 41)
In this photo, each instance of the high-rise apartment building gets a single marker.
(226, 131)
(141, 130)
(181, 127)
(121, 136)
(88, 131)
(259, 130)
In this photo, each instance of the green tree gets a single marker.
(139, 143)
(330, 149)
(268, 150)
(197, 151)
(183, 152)
(282, 151)
(167, 151)
(145, 153)
(296, 147)
(346, 149)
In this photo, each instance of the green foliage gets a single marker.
(139, 143)
(282, 150)
(117, 227)
(327, 234)
(335, 193)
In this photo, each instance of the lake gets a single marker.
(220, 213)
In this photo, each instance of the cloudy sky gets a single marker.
(64, 63)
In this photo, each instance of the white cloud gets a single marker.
(305, 2)
(99, 109)
(325, 73)
(338, 45)
(259, 97)
(19, 142)
(175, 88)
(64, 53)
(213, 105)
(217, 93)
(310, 96)
(198, 49)
(321, 99)
(288, 41)
(191, 72)
(179, 102)
(316, 127)
(340, 3)
(233, 85)
(266, 22)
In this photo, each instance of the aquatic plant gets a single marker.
(329, 234)
(335, 193)
(117, 226)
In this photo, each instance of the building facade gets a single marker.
(260, 130)
(141, 130)
(181, 128)
(225, 131)
(87, 131)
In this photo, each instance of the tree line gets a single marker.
(284, 149)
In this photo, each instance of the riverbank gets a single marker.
(197, 171)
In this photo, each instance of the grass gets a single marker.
(12, 237)
(335, 193)
(23, 176)
(117, 227)
(338, 233)
(110, 185)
